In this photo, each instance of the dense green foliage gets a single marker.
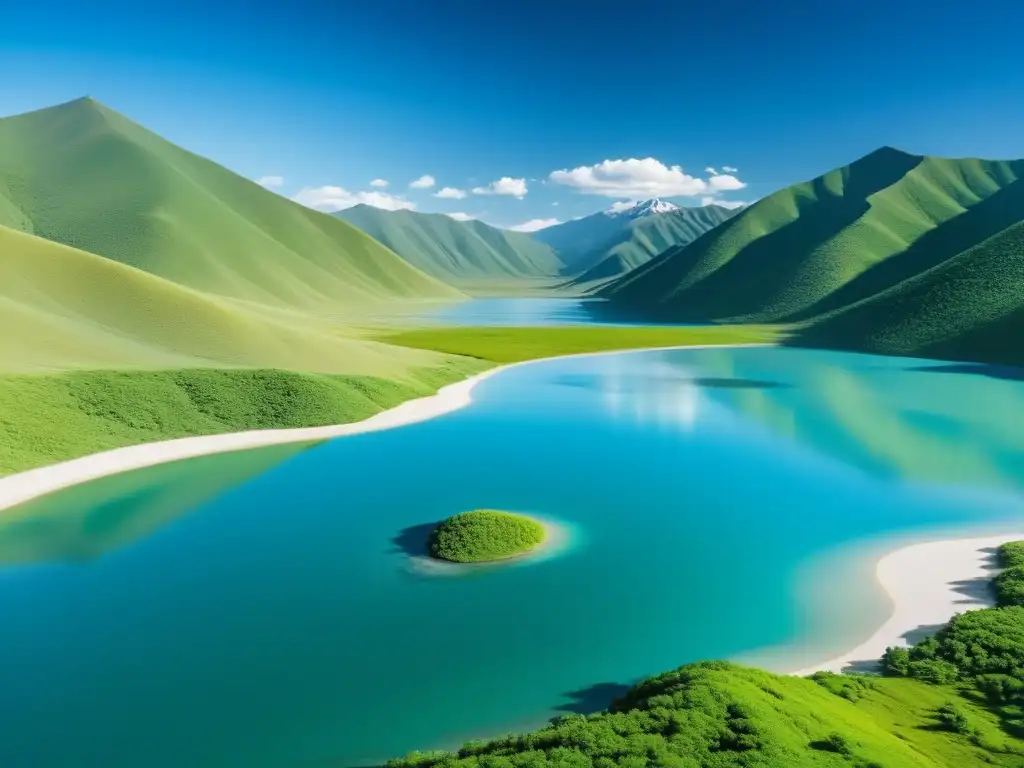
(85, 176)
(44, 419)
(458, 252)
(719, 715)
(964, 709)
(982, 650)
(483, 535)
(512, 344)
(601, 246)
(921, 250)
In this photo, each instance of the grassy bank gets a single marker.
(964, 709)
(515, 344)
(49, 418)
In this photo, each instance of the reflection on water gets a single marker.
(270, 615)
(515, 312)
(85, 522)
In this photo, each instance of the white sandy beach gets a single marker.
(25, 486)
(928, 583)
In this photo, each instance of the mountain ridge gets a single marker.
(84, 175)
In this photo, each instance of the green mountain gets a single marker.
(64, 309)
(455, 251)
(85, 176)
(969, 307)
(608, 243)
(644, 238)
(831, 242)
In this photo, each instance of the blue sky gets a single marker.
(330, 96)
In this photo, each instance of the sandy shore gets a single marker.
(24, 486)
(928, 583)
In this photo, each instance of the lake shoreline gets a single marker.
(25, 486)
(928, 582)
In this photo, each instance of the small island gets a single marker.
(485, 535)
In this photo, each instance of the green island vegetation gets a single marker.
(485, 535)
(955, 700)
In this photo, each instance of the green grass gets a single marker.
(50, 418)
(484, 535)
(821, 245)
(720, 715)
(85, 176)
(463, 253)
(970, 307)
(514, 344)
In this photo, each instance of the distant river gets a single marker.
(262, 609)
(514, 311)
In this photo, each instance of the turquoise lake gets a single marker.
(263, 609)
(501, 311)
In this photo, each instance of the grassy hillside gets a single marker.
(456, 252)
(969, 307)
(85, 176)
(95, 354)
(719, 715)
(646, 237)
(827, 243)
(61, 308)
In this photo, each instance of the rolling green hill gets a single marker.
(611, 242)
(827, 243)
(95, 354)
(969, 307)
(720, 715)
(456, 252)
(85, 176)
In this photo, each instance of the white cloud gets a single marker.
(634, 178)
(724, 182)
(710, 171)
(504, 186)
(555, 203)
(723, 203)
(534, 224)
(460, 216)
(379, 183)
(450, 193)
(331, 198)
(270, 182)
(730, 169)
(622, 205)
(426, 181)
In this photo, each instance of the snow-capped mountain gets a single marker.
(641, 208)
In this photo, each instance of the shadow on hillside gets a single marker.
(977, 591)
(864, 667)
(922, 632)
(414, 540)
(594, 698)
(992, 370)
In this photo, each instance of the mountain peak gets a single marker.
(642, 208)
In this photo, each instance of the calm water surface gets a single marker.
(516, 311)
(263, 609)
